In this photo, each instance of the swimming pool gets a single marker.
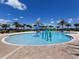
(31, 39)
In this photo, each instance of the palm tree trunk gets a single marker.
(62, 29)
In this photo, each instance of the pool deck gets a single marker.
(60, 51)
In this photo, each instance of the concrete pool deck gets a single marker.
(38, 52)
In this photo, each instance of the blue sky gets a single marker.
(28, 11)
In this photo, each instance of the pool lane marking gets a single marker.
(7, 55)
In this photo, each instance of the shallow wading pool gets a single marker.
(37, 39)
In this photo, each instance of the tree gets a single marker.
(38, 24)
(5, 26)
(23, 26)
(0, 26)
(17, 25)
(76, 25)
(68, 25)
(57, 27)
(50, 27)
(29, 26)
(62, 23)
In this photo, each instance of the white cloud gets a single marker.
(3, 21)
(21, 17)
(70, 20)
(58, 21)
(16, 19)
(51, 23)
(15, 4)
(52, 19)
(78, 19)
(38, 19)
(9, 14)
(45, 24)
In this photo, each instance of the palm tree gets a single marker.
(5, 26)
(68, 25)
(57, 27)
(76, 25)
(51, 27)
(62, 23)
(17, 25)
(22, 26)
(29, 26)
(0, 26)
(38, 24)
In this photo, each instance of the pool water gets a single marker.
(32, 39)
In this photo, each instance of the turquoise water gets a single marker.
(33, 39)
